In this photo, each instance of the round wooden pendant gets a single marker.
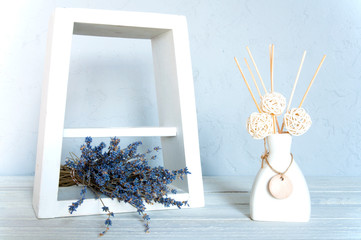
(280, 186)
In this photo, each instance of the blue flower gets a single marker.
(108, 222)
(72, 209)
(88, 140)
(83, 191)
(105, 209)
(157, 149)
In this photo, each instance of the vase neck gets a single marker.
(279, 146)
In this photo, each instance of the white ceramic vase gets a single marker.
(263, 206)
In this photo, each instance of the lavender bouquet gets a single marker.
(120, 174)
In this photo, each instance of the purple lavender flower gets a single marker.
(125, 175)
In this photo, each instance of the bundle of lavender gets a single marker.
(120, 174)
(272, 104)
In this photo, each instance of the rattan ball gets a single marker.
(297, 121)
(259, 125)
(273, 103)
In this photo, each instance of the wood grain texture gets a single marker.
(336, 214)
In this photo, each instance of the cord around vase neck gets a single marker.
(277, 161)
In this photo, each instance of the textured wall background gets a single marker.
(111, 79)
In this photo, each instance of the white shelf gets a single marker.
(173, 79)
(121, 132)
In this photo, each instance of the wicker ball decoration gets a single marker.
(273, 103)
(260, 125)
(297, 121)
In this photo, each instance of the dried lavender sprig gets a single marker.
(125, 175)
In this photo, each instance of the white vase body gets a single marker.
(294, 208)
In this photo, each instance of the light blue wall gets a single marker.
(218, 30)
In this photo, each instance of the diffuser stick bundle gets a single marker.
(245, 81)
(272, 104)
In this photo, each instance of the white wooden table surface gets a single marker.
(336, 214)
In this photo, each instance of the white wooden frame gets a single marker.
(175, 97)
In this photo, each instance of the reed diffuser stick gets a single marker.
(254, 80)
(249, 89)
(278, 126)
(255, 66)
(295, 84)
(294, 87)
(313, 79)
(272, 47)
